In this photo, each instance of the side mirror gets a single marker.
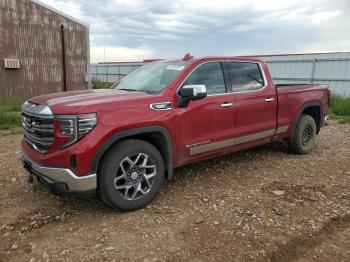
(191, 92)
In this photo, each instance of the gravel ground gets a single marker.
(262, 204)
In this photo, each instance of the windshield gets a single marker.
(151, 78)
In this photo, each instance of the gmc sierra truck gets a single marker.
(121, 143)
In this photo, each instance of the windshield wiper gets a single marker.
(129, 90)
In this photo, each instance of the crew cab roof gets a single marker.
(212, 58)
(221, 58)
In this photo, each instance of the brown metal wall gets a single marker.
(31, 33)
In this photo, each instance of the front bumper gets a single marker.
(59, 179)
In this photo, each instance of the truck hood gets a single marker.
(75, 102)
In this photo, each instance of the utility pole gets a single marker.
(104, 62)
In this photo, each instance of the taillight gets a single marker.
(329, 97)
(74, 127)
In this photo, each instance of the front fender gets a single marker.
(132, 132)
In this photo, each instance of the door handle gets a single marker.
(225, 105)
(269, 99)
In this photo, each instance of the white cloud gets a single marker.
(268, 5)
(324, 16)
(137, 29)
(327, 46)
(234, 4)
(67, 6)
(115, 53)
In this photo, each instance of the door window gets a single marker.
(245, 76)
(210, 75)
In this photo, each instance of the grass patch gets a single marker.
(9, 120)
(98, 84)
(10, 116)
(340, 109)
(10, 107)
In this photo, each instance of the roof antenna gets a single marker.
(188, 56)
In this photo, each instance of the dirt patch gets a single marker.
(298, 246)
(296, 193)
(262, 204)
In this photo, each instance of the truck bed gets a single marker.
(293, 85)
(294, 98)
(300, 88)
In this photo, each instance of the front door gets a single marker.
(205, 126)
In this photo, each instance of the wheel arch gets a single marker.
(158, 136)
(314, 109)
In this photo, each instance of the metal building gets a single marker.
(113, 71)
(42, 50)
(318, 68)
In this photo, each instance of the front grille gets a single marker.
(37, 122)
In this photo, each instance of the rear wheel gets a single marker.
(304, 137)
(131, 175)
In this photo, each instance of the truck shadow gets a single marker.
(182, 175)
(244, 156)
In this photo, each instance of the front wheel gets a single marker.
(131, 175)
(304, 137)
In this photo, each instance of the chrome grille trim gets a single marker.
(36, 110)
(37, 122)
(38, 139)
(39, 129)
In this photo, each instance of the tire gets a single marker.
(125, 163)
(304, 136)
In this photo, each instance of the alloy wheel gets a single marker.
(135, 176)
(306, 137)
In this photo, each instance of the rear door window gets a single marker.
(245, 76)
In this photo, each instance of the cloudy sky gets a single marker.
(132, 30)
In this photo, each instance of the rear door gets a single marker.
(256, 103)
(204, 125)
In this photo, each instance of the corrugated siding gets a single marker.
(329, 68)
(31, 33)
(112, 72)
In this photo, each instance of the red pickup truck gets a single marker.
(123, 142)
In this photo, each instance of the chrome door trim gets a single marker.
(256, 136)
(212, 146)
(197, 149)
(231, 142)
(282, 129)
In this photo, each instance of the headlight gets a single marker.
(75, 127)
